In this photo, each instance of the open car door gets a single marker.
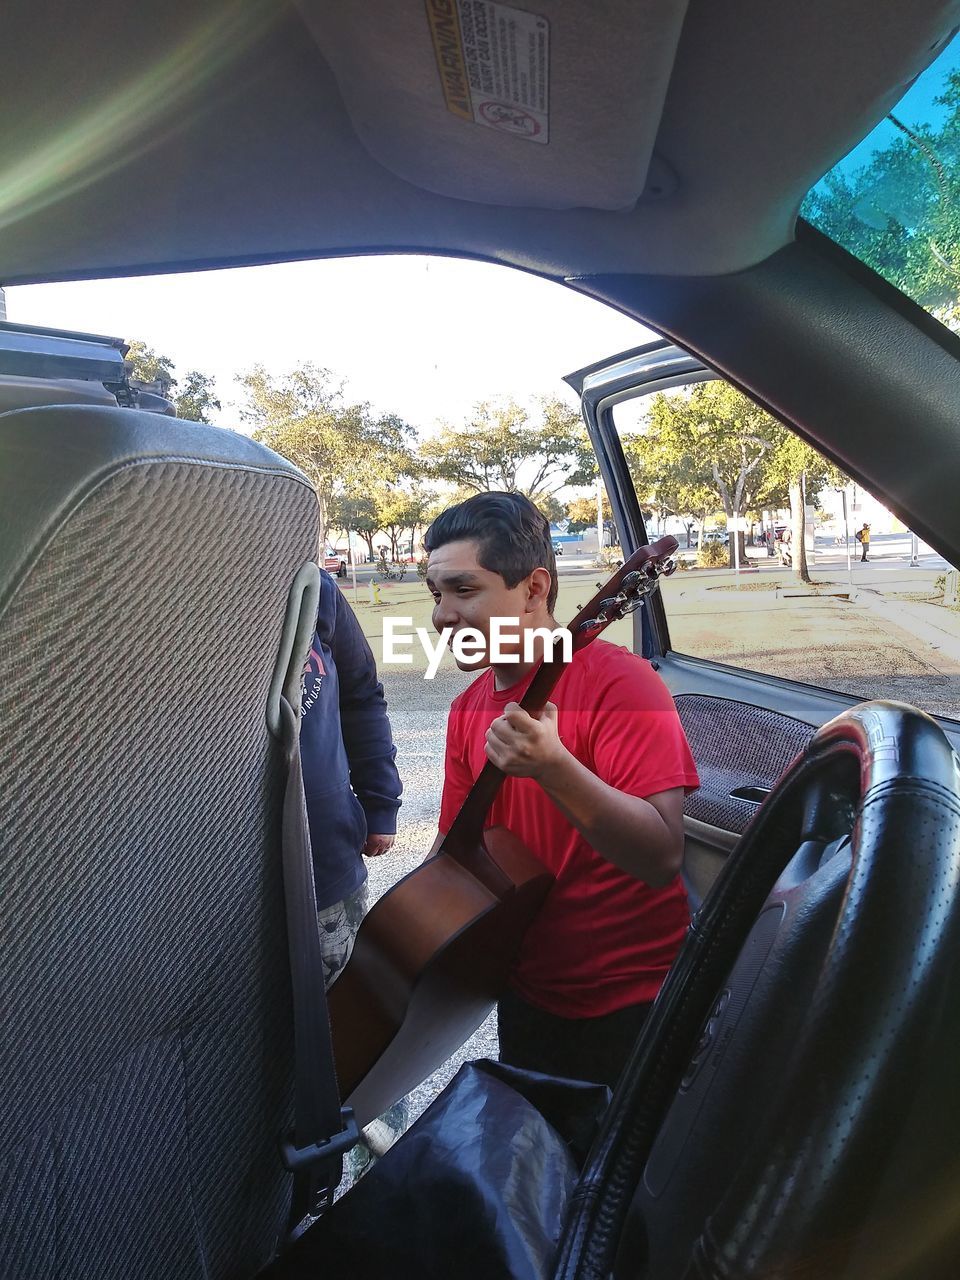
(756, 659)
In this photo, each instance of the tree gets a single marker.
(197, 398)
(668, 482)
(551, 506)
(710, 446)
(704, 445)
(582, 511)
(356, 512)
(500, 448)
(900, 213)
(196, 401)
(399, 510)
(803, 472)
(146, 365)
(303, 416)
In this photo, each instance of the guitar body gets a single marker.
(430, 960)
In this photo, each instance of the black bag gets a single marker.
(475, 1189)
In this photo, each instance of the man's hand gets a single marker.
(524, 747)
(641, 835)
(377, 844)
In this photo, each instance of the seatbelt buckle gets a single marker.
(298, 1158)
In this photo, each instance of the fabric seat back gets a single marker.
(146, 1064)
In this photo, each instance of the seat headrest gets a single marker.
(52, 457)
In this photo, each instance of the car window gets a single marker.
(787, 567)
(893, 200)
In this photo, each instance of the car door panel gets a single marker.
(740, 750)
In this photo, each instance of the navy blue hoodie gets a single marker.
(351, 781)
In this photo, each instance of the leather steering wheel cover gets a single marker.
(798, 1196)
(894, 922)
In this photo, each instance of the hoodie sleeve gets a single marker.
(363, 715)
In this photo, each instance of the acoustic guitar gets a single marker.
(433, 955)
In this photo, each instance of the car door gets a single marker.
(755, 658)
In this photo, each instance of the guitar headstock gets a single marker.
(621, 594)
(626, 590)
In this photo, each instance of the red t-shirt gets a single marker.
(603, 939)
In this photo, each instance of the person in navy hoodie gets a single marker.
(349, 775)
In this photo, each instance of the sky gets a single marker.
(422, 337)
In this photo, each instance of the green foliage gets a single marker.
(303, 416)
(610, 558)
(900, 213)
(713, 555)
(704, 447)
(196, 399)
(582, 512)
(710, 446)
(147, 365)
(502, 448)
(400, 509)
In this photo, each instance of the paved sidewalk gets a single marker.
(933, 625)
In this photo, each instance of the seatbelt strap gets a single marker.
(323, 1130)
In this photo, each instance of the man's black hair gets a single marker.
(512, 536)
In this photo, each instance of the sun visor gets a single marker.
(556, 106)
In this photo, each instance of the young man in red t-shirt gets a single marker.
(595, 789)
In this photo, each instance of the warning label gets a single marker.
(494, 64)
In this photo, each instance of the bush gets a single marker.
(422, 566)
(610, 558)
(713, 555)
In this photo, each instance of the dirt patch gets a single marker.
(784, 584)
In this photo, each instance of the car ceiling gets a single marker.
(681, 140)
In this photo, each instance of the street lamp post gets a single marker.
(846, 538)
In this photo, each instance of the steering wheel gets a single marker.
(791, 1107)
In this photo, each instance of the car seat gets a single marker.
(146, 1067)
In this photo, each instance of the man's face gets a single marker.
(467, 595)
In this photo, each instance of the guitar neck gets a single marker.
(611, 602)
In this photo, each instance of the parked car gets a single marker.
(335, 562)
(791, 1107)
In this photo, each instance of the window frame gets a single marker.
(656, 366)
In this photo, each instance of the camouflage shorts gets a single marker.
(338, 929)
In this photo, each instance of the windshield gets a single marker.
(894, 201)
